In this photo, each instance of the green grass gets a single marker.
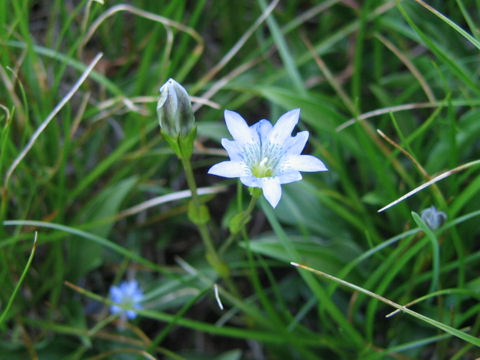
(70, 173)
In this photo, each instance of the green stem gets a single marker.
(251, 205)
(212, 256)
(232, 236)
(202, 227)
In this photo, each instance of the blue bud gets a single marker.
(433, 218)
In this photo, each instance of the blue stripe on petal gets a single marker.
(262, 128)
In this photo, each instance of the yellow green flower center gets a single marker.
(262, 169)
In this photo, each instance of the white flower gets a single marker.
(266, 156)
(127, 294)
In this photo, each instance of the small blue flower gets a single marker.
(266, 156)
(433, 218)
(127, 294)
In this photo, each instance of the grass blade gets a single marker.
(20, 281)
(448, 329)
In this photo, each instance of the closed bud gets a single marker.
(176, 119)
(433, 218)
(174, 110)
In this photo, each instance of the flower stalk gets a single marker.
(199, 215)
(177, 124)
(238, 222)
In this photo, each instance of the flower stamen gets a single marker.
(262, 169)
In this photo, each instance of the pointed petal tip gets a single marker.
(238, 127)
(272, 190)
(230, 113)
(284, 127)
(273, 202)
(294, 114)
(308, 163)
(212, 171)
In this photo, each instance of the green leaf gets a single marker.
(213, 130)
(316, 110)
(87, 256)
(454, 26)
(453, 64)
(435, 249)
(330, 256)
(235, 354)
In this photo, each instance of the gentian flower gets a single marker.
(433, 218)
(264, 155)
(127, 294)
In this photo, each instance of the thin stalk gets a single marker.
(245, 216)
(202, 227)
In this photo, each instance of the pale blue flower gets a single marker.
(265, 156)
(433, 218)
(127, 294)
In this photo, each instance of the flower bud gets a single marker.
(176, 119)
(433, 218)
(174, 110)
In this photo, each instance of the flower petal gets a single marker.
(229, 169)
(433, 218)
(233, 149)
(283, 127)
(294, 145)
(115, 309)
(129, 288)
(262, 128)
(271, 190)
(303, 163)
(116, 294)
(251, 181)
(289, 177)
(238, 127)
(131, 314)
